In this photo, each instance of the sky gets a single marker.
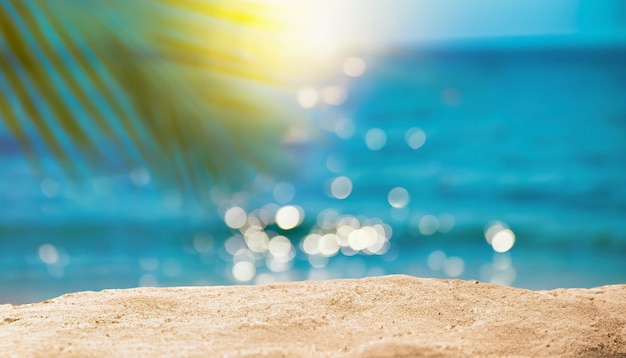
(367, 22)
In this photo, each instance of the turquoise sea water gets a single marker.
(430, 149)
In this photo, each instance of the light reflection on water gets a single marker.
(428, 174)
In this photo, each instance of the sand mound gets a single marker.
(390, 316)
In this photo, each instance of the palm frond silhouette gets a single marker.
(189, 89)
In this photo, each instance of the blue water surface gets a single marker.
(430, 149)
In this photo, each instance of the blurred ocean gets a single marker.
(506, 165)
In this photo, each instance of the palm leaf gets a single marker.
(192, 90)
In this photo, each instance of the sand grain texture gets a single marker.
(392, 316)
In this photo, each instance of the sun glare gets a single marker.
(315, 32)
(317, 25)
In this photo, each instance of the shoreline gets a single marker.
(386, 316)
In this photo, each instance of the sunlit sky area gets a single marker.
(371, 22)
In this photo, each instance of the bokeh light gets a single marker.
(328, 245)
(334, 95)
(244, 271)
(235, 217)
(140, 176)
(48, 254)
(492, 229)
(256, 239)
(335, 164)
(341, 187)
(500, 271)
(436, 260)
(415, 138)
(446, 223)
(503, 240)
(233, 244)
(428, 225)
(354, 66)
(308, 97)
(344, 128)
(149, 263)
(398, 197)
(499, 236)
(454, 266)
(280, 247)
(375, 139)
(50, 187)
(288, 217)
(203, 243)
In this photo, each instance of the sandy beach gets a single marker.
(390, 316)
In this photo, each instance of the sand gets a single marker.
(391, 316)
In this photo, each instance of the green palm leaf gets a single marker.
(192, 90)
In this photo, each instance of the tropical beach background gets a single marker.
(445, 139)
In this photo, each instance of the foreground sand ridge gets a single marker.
(387, 316)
